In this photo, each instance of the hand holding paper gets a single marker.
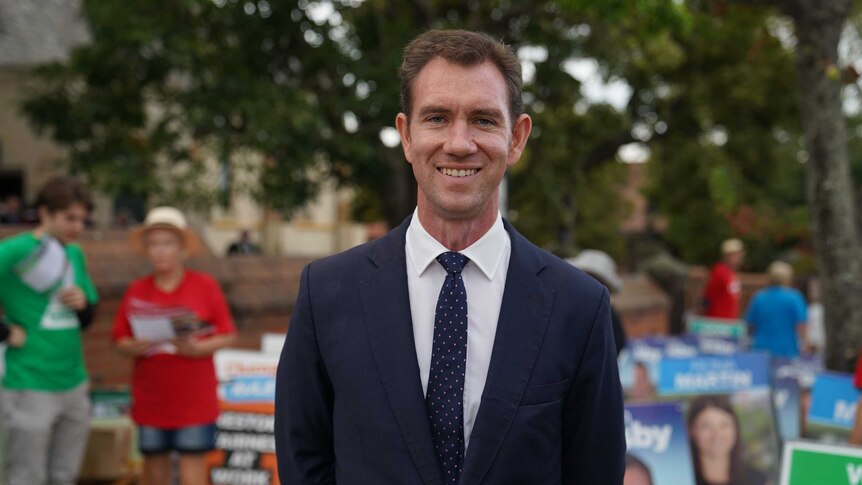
(152, 329)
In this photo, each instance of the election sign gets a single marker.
(833, 405)
(786, 399)
(710, 374)
(804, 369)
(792, 378)
(640, 361)
(736, 388)
(807, 463)
(657, 445)
(245, 443)
(718, 327)
(245, 446)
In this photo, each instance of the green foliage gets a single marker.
(167, 85)
(727, 164)
(294, 93)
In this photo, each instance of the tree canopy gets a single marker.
(297, 92)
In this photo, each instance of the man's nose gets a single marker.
(459, 141)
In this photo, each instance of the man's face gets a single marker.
(460, 139)
(65, 224)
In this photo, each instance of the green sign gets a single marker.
(715, 327)
(807, 463)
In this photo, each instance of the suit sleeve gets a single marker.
(593, 430)
(303, 401)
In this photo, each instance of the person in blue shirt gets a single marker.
(777, 314)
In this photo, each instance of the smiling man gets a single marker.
(452, 350)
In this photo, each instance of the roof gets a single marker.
(34, 32)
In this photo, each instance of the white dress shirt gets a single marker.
(484, 279)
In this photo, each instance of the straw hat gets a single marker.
(165, 218)
(732, 246)
(599, 265)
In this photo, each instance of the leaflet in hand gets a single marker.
(45, 267)
(152, 328)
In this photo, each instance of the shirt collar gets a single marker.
(486, 253)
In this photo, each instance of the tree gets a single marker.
(830, 191)
(818, 27)
(298, 92)
(725, 160)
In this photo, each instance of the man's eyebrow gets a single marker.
(426, 110)
(488, 113)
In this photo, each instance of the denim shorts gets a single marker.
(191, 439)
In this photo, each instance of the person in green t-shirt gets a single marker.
(47, 298)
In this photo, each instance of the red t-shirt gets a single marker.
(170, 391)
(723, 292)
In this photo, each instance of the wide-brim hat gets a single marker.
(732, 246)
(600, 265)
(165, 218)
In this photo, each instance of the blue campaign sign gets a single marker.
(790, 377)
(639, 362)
(833, 401)
(713, 345)
(785, 398)
(257, 389)
(803, 369)
(657, 445)
(707, 374)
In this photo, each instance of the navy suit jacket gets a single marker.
(349, 401)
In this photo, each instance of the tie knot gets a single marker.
(452, 262)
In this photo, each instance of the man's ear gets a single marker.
(520, 134)
(402, 124)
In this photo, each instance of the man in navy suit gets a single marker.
(452, 350)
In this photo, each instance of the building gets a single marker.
(42, 31)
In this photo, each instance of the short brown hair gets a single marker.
(61, 192)
(464, 48)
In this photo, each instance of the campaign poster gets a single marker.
(833, 407)
(808, 463)
(245, 443)
(786, 398)
(714, 374)
(728, 409)
(658, 451)
(639, 362)
(792, 380)
(718, 327)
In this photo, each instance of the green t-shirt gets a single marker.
(52, 357)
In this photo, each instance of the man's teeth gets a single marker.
(458, 173)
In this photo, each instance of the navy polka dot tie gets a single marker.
(445, 396)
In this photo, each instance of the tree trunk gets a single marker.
(830, 192)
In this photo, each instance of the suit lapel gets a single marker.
(520, 330)
(386, 307)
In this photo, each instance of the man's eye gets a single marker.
(435, 119)
(485, 122)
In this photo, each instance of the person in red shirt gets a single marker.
(171, 322)
(723, 290)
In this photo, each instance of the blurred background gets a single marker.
(661, 128)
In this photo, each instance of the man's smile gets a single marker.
(452, 172)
